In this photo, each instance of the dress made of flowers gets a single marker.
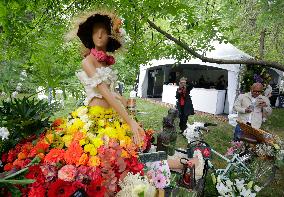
(91, 149)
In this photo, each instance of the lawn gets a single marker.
(219, 137)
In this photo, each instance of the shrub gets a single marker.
(23, 117)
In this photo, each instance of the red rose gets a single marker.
(8, 167)
(37, 191)
(96, 189)
(206, 152)
(36, 173)
(4, 157)
(61, 188)
(12, 155)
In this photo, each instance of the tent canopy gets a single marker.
(221, 51)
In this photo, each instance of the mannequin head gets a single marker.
(100, 36)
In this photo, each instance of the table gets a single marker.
(204, 100)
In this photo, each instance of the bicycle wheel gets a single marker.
(262, 170)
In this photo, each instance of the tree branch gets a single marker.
(213, 60)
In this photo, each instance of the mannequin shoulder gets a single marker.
(90, 63)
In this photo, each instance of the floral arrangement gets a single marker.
(273, 150)
(253, 74)
(235, 187)
(90, 150)
(235, 148)
(135, 185)
(159, 173)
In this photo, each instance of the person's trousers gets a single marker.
(238, 133)
(182, 119)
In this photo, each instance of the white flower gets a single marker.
(257, 188)
(4, 133)
(23, 73)
(141, 188)
(133, 184)
(229, 183)
(19, 87)
(218, 179)
(239, 184)
(87, 125)
(14, 94)
(84, 118)
(3, 94)
(245, 192)
(222, 189)
(81, 111)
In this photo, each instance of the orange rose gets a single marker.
(22, 155)
(83, 160)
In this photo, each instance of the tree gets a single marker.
(32, 33)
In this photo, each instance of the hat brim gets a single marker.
(86, 28)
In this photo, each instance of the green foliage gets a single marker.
(31, 33)
(248, 19)
(23, 117)
(253, 74)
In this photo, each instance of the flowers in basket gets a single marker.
(159, 173)
(135, 185)
(91, 150)
(236, 147)
(273, 150)
(235, 187)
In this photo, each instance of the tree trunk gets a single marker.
(261, 44)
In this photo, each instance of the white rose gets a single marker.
(4, 133)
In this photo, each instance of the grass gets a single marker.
(219, 137)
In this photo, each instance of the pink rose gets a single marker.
(67, 173)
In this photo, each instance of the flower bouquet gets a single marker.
(90, 151)
(235, 187)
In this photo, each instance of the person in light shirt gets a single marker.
(251, 108)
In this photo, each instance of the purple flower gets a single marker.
(257, 78)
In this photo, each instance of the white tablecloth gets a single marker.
(205, 100)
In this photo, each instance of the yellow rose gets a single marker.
(94, 161)
(101, 123)
(97, 142)
(67, 139)
(74, 114)
(89, 147)
(93, 151)
(82, 142)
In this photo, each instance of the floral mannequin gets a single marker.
(97, 34)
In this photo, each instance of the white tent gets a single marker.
(222, 51)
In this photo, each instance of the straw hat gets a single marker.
(84, 27)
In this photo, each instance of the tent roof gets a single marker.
(222, 51)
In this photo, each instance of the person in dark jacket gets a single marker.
(184, 102)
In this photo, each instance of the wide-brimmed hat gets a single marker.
(84, 29)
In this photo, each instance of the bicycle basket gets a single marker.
(260, 135)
